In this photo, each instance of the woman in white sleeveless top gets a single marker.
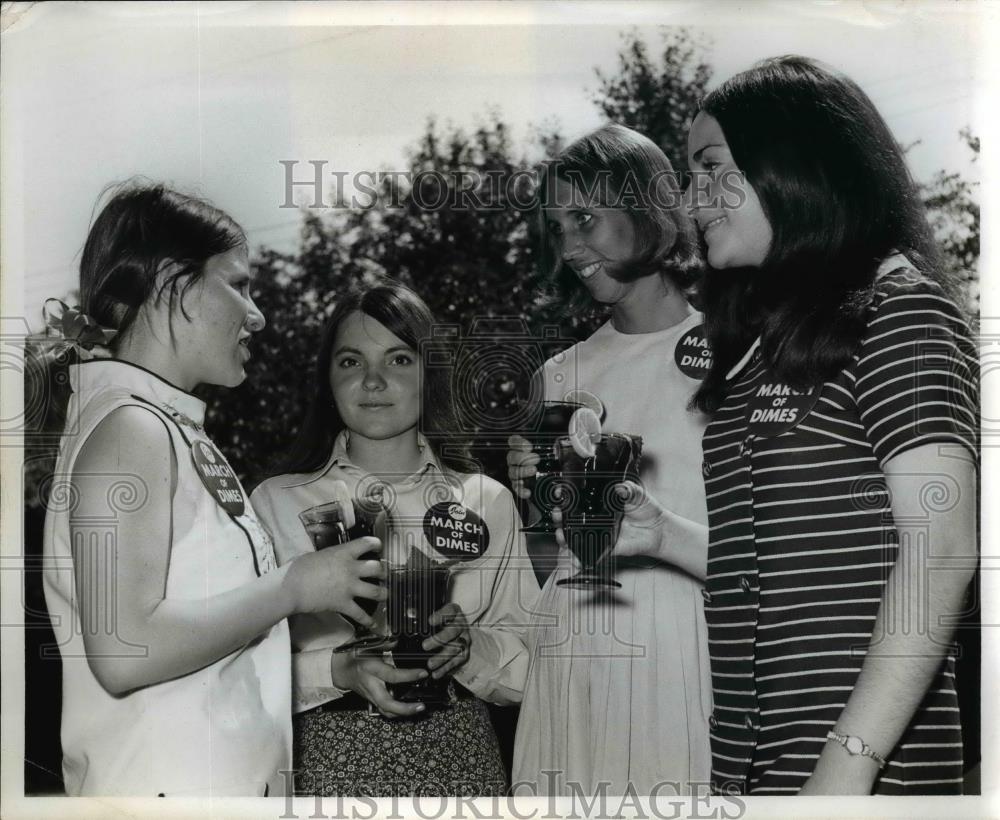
(164, 595)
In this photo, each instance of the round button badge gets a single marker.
(456, 531)
(692, 354)
(218, 477)
(775, 408)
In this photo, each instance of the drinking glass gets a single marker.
(417, 589)
(591, 509)
(327, 527)
(546, 429)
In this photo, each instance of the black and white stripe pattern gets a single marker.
(802, 542)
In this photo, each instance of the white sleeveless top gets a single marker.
(222, 730)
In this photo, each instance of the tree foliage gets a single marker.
(953, 211)
(658, 98)
(454, 227)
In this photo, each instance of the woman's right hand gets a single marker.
(521, 464)
(368, 674)
(331, 578)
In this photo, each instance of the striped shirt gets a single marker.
(802, 541)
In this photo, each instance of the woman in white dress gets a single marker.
(618, 689)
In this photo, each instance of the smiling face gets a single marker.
(594, 242)
(723, 202)
(375, 378)
(213, 342)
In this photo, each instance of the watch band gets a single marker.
(856, 746)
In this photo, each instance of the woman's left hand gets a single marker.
(453, 638)
(642, 524)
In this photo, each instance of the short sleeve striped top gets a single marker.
(802, 542)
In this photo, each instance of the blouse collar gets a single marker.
(340, 456)
(91, 377)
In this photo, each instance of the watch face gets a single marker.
(854, 745)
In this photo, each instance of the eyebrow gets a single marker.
(395, 349)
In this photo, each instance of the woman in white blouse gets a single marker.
(377, 417)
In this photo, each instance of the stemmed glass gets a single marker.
(591, 508)
(338, 522)
(549, 425)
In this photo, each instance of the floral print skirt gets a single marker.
(450, 751)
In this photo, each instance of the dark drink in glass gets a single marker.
(417, 590)
(591, 509)
(327, 525)
(547, 426)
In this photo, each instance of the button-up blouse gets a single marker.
(802, 541)
(496, 590)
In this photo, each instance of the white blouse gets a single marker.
(497, 589)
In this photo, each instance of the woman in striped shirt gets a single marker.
(841, 459)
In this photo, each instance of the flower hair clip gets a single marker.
(74, 326)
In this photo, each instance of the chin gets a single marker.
(716, 258)
(609, 298)
(722, 262)
(232, 379)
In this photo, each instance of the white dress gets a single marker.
(223, 730)
(619, 689)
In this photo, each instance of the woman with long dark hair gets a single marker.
(619, 692)
(379, 419)
(841, 459)
(165, 599)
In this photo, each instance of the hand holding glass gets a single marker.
(417, 590)
(549, 425)
(590, 506)
(338, 522)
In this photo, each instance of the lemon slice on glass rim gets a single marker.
(584, 432)
(587, 399)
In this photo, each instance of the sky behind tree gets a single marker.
(211, 97)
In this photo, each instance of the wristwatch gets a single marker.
(856, 746)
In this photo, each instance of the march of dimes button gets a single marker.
(456, 531)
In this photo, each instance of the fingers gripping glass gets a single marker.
(551, 424)
(417, 590)
(591, 508)
(327, 527)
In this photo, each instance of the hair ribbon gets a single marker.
(73, 326)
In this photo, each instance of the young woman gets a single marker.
(840, 462)
(379, 420)
(619, 690)
(161, 585)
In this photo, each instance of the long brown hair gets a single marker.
(407, 316)
(834, 186)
